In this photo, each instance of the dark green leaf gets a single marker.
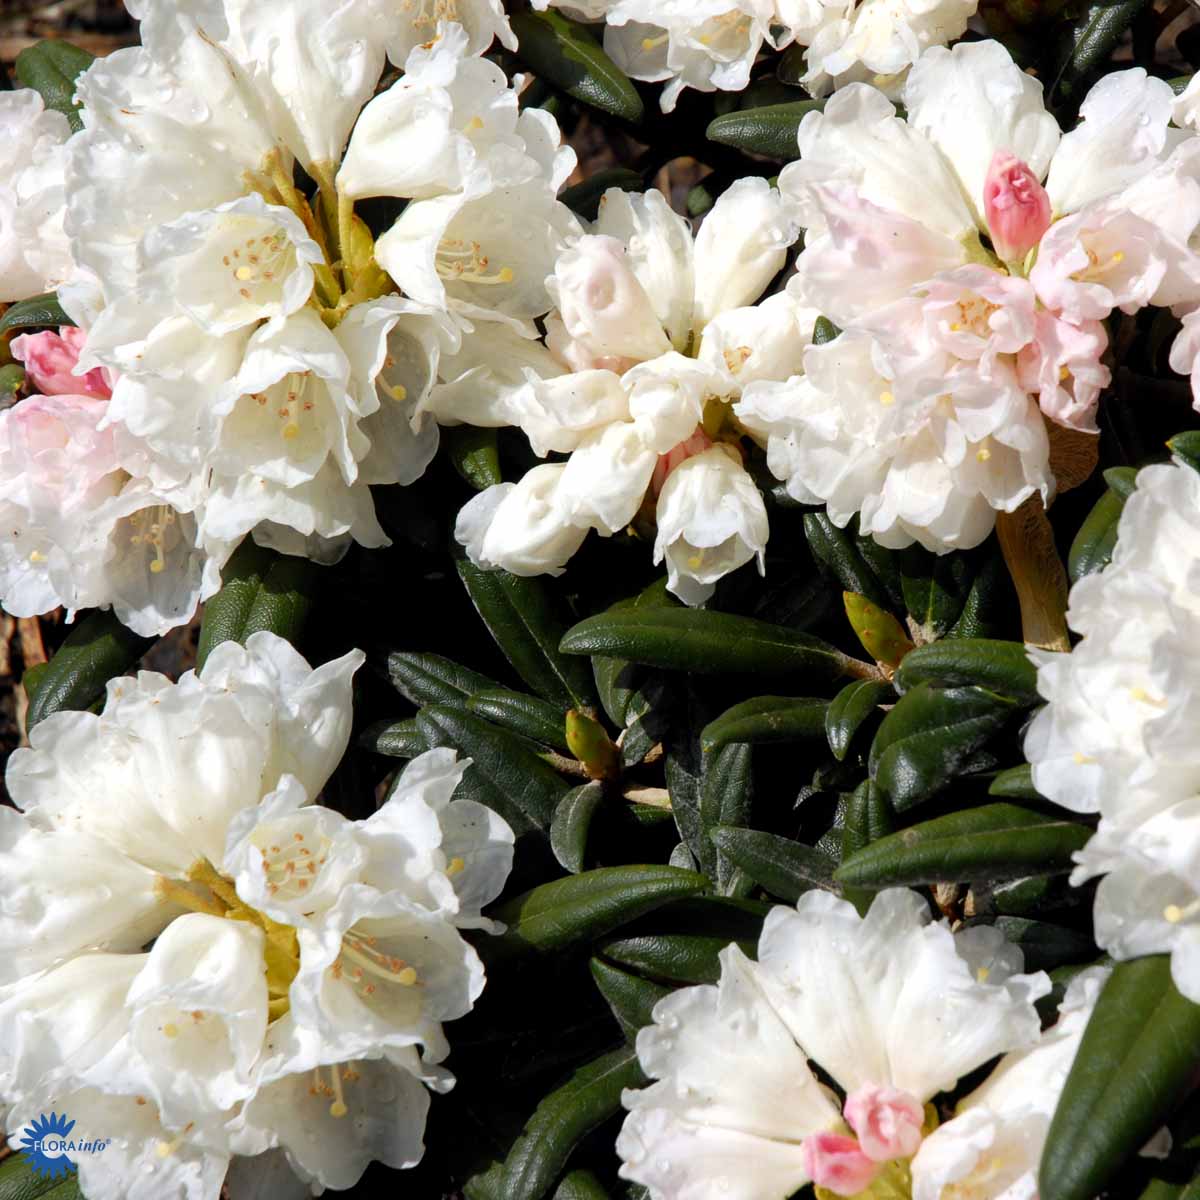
(856, 703)
(766, 719)
(621, 683)
(677, 958)
(580, 1185)
(584, 198)
(824, 330)
(725, 797)
(866, 819)
(473, 453)
(522, 618)
(586, 906)
(561, 1120)
(432, 679)
(51, 68)
(929, 735)
(259, 590)
(566, 55)
(1121, 480)
(397, 739)
(684, 781)
(1187, 447)
(1136, 1060)
(18, 1182)
(1094, 543)
(98, 649)
(783, 867)
(769, 130)
(1046, 946)
(704, 642)
(1015, 784)
(935, 588)
(630, 997)
(572, 821)
(538, 720)
(991, 843)
(988, 609)
(1002, 667)
(36, 312)
(839, 551)
(505, 774)
(1095, 37)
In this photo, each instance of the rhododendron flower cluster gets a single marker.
(893, 1008)
(650, 341)
(593, 601)
(714, 45)
(930, 414)
(302, 964)
(1113, 738)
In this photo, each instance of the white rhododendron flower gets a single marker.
(299, 965)
(35, 255)
(895, 1009)
(653, 335)
(713, 45)
(80, 531)
(263, 372)
(1115, 736)
(966, 346)
(993, 1144)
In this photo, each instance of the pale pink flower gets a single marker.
(52, 451)
(887, 1120)
(1100, 259)
(1015, 206)
(837, 1163)
(1062, 365)
(697, 443)
(50, 360)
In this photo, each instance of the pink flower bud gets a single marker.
(887, 1121)
(697, 443)
(835, 1162)
(50, 358)
(1016, 206)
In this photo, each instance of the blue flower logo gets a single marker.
(44, 1140)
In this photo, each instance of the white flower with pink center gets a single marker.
(892, 1007)
(654, 335)
(973, 238)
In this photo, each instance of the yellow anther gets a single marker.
(982, 974)
(886, 398)
(455, 865)
(983, 454)
(474, 123)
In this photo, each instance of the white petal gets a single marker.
(887, 999)
(973, 100)
(733, 1096)
(198, 1014)
(741, 246)
(1122, 135)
